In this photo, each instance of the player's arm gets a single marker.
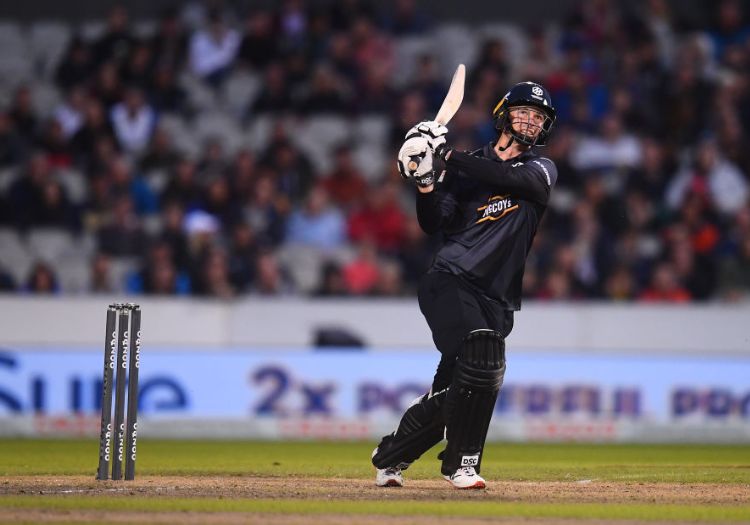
(436, 208)
(532, 180)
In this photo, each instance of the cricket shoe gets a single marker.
(389, 477)
(466, 478)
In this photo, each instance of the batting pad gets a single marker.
(421, 427)
(480, 369)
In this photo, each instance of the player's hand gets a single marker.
(431, 130)
(428, 128)
(415, 161)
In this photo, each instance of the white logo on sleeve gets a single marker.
(546, 173)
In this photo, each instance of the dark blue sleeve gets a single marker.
(531, 180)
(437, 209)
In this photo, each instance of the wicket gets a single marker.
(123, 337)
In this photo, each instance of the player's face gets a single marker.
(527, 121)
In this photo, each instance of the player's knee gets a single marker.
(481, 361)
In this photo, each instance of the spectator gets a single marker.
(137, 71)
(361, 274)
(160, 154)
(389, 282)
(55, 209)
(664, 286)
(101, 280)
(169, 45)
(613, 149)
(242, 256)
(371, 46)
(317, 224)
(265, 210)
(539, 63)
(344, 13)
(426, 81)
(212, 160)
(412, 108)
(374, 93)
(26, 194)
(116, 43)
(94, 126)
(270, 277)
(123, 236)
(107, 86)
(213, 50)
(620, 285)
(165, 95)
(242, 174)
(158, 275)
(182, 186)
(325, 94)
(173, 234)
(274, 96)
(203, 232)
(556, 286)
(75, 66)
(70, 114)
(133, 121)
(122, 181)
(12, 149)
(711, 177)
(260, 45)
(380, 218)
(731, 28)
(55, 146)
(696, 271)
(331, 281)
(406, 19)
(22, 114)
(219, 202)
(345, 183)
(341, 57)
(294, 171)
(293, 23)
(493, 57)
(734, 274)
(42, 280)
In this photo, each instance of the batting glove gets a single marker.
(415, 161)
(431, 130)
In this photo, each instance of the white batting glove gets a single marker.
(415, 161)
(433, 131)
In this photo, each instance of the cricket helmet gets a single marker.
(525, 94)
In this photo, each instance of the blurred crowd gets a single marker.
(215, 152)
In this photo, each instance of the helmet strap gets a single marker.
(511, 139)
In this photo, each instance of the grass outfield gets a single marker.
(618, 467)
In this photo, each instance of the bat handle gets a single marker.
(412, 165)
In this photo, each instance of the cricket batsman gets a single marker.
(487, 204)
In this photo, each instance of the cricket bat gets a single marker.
(451, 103)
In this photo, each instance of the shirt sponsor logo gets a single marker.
(497, 207)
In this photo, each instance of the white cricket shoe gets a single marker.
(389, 477)
(466, 478)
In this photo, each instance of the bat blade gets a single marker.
(454, 97)
(451, 102)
